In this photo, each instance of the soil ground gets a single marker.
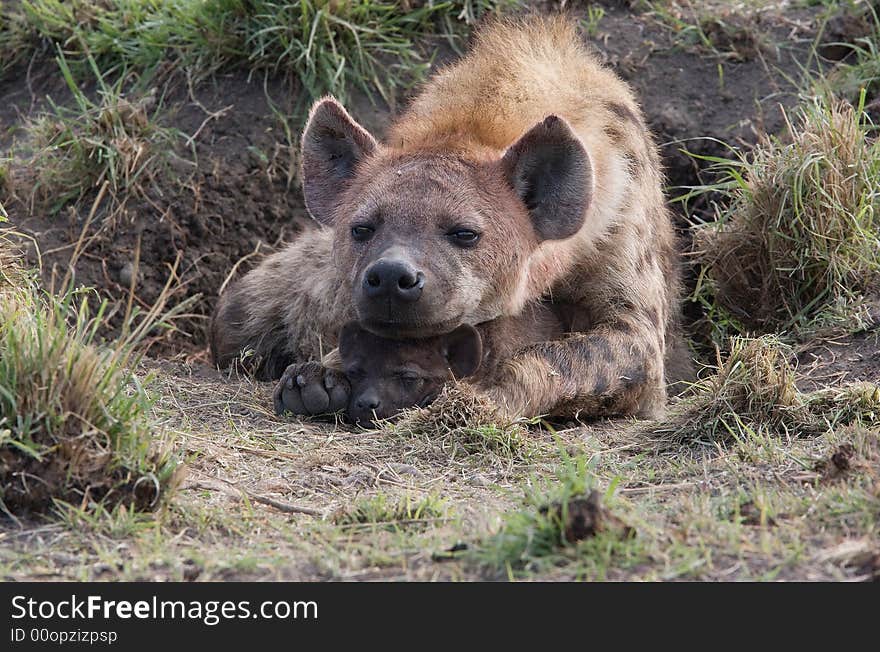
(752, 512)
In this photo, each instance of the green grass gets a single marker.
(116, 522)
(860, 71)
(75, 422)
(4, 176)
(590, 22)
(728, 32)
(112, 135)
(394, 513)
(562, 521)
(16, 39)
(113, 139)
(328, 46)
(796, 244)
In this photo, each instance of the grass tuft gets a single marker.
(16, 39)
(859, 68)
(754, 385)
(462, 422)
(10, 266)
(329, 46)
(393, 514)
(799, 245)
(74, 419)
(560, 520)
(858, 403)
(113, 139)
(753, 393)
(728, 32)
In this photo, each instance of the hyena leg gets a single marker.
(287, 310)
(611, 370)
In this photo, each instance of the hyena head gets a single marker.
(387, 376)
(432, 238)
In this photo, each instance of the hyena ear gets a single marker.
(463, 349)
(550, 170)
(332, 146)
(349, 338)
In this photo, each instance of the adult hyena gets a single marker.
(523, 172)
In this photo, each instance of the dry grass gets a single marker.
(10, 268)
(754, 385)
(113, 140)
(753, 394)
(462, 423)
(799, 244)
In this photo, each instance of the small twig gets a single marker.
(284, 507)
(211, 116)
(126, 321)
(659, 487)
(231, 490)
(77, 251)
(282, 455)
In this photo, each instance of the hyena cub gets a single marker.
(387, 376)
(384, 376)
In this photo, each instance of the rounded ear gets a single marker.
(551, 172)
(349, 338)
(332, 146)
(463, 349)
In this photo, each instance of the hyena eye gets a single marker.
(362, 232)
(355, 373)
(464, 237)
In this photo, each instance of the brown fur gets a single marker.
(389, 375)
(470, 150)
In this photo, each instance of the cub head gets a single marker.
(387, 376)
(432, 238)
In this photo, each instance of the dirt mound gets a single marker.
(215, 209)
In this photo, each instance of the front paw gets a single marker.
(310, 389)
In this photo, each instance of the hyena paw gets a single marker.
(309, 389)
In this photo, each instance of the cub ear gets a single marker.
(349, 339)
(551, 172)
(332, 146)
(463, 349)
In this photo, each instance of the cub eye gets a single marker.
(410, 380)
(362, 232)
(464, 237)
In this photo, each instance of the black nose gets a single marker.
(367, 403)
(394, 279)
